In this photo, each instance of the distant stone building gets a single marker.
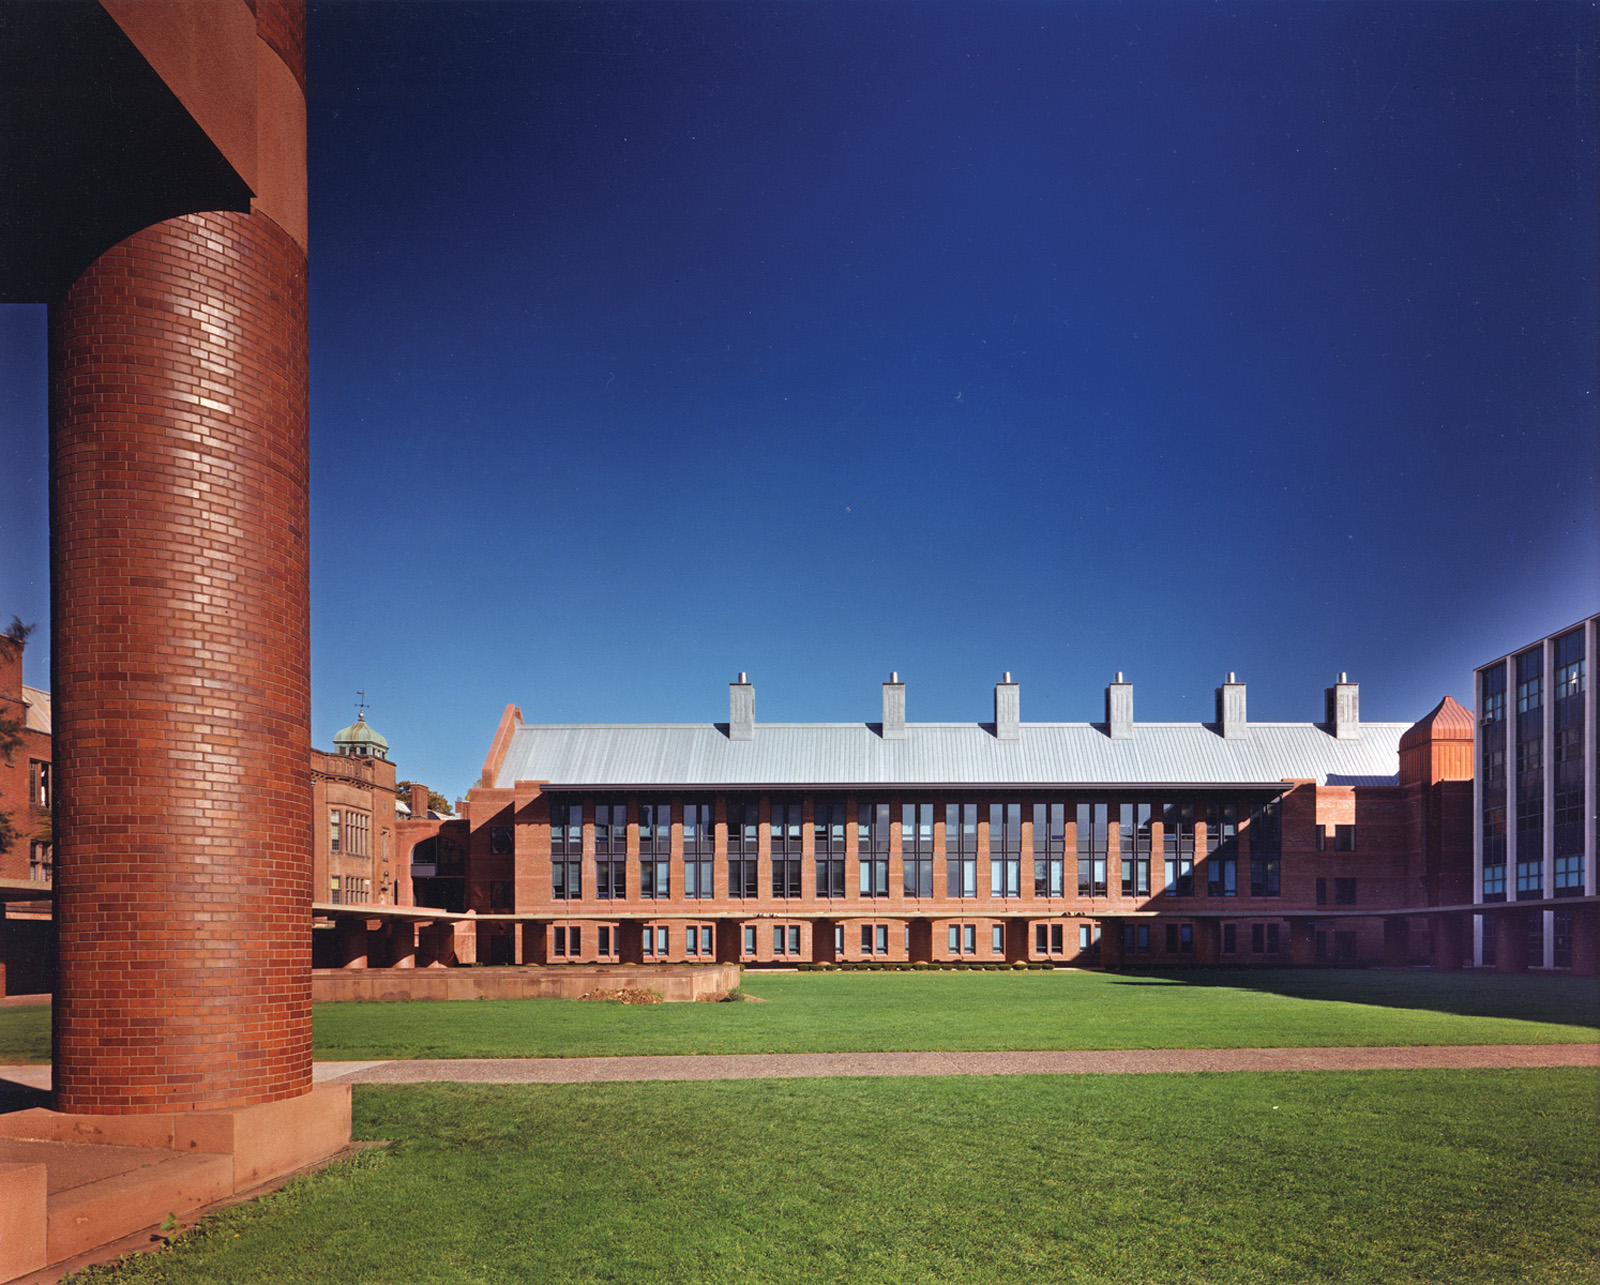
(353, 809)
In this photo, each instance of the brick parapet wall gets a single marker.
(181, 670)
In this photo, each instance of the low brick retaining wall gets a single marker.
(677, 983)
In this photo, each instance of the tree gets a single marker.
(12, 726)
(436, 801)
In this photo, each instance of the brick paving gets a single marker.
(759, 1066)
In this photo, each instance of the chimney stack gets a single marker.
(1343, 709)
(741, 710)
(1007, 709)
(894, 708)
(1119, 709)
(419, 801)
(1230, 710)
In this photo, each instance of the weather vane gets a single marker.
(361, 706)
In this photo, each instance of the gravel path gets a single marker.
(766, 1066)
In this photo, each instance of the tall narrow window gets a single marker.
(744, 845)
(699, 849)
(1222, 848)
(1530, 774)
(1092, 820)
(916, 848)
(610, 852)
(655, 850)
(1567, 819)
(1492, 820)
(335, 828)
(1005, 849)
(961, 849)
(1177, 848)
(827, 845)
(1049, 848)
(872, 848)
(1136, 836)
(786, 829)
(566, 851)
(1266, 849)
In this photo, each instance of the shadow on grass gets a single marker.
(1568, 1001)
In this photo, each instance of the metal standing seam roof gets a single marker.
(946, 754)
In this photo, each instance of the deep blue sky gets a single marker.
(655, 342)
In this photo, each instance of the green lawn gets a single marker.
(851, 1012)
(1457, 1176)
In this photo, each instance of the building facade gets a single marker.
(1117, 843)
(27, 783)
(353, 811)
(1536, 795)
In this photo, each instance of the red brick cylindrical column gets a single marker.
(181, 670)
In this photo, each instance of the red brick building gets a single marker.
(353, 819)
(26, 780)
(1117, 843)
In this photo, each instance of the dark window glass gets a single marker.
(827, 845)
(1005, 849)
(916, 848)
(1092, 819)
(1266, 849)
(872, 848)
(1049, 848)
(1137, 834)
(961, 849)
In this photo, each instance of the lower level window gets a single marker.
(1230, 939)
(697, 879)
(1264, 939)
(566, 880)
(1530, 878)
(1264, 876)
(605, 940)
(1490, 954)
(1569, 876)
(1180, 939)
(655, 941)
(997, 940)
(1494, 883)
(568, 942)
(1344, 945)
(786, 939)
(1136, 939)
(1047, 939)
(1561, 942)
(750, 940)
